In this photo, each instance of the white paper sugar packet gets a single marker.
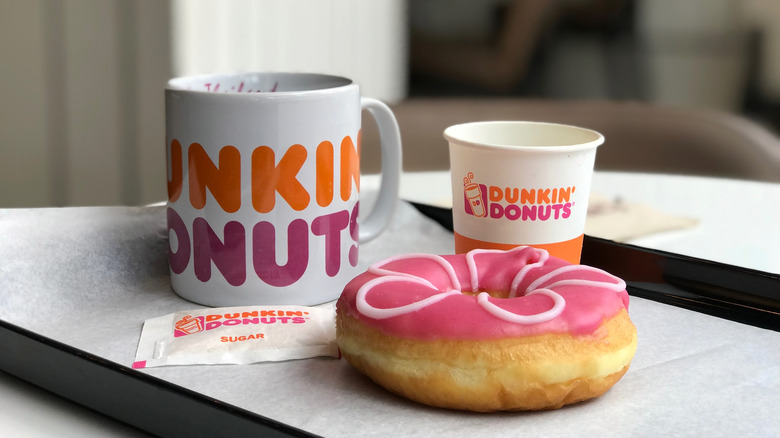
(237, 335)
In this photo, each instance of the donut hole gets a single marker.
(493, 294)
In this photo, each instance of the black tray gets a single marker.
(165, 409)
(142, 401)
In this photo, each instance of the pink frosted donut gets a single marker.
(488, 330)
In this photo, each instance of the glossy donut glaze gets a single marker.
(485, 294)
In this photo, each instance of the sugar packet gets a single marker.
(237, 335)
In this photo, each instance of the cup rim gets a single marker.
(179, 84)
(455, 135)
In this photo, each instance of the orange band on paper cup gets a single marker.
(569, 250)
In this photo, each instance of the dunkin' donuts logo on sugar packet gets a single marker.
(189, 325)
(517, 203)
(273, 173)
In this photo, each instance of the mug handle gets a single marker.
(390, 139)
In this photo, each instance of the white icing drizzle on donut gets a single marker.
(472, 265)
(559, 304)
(377, 313)
(618, 286)
(376, 270)
(386, 275)
(538, 286)
(483, 299)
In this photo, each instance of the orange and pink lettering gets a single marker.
(272, 172)
(535, 204)
(191, 325)
(540, 204)
(223, 180)
(268, 178)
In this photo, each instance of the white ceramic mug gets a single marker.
(263, 182)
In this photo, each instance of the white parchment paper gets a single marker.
(89, 277)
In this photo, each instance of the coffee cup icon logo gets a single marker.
(474, 196)
(189, 325)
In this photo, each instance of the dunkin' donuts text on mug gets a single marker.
(267, 179)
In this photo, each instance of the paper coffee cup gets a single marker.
(521, 183)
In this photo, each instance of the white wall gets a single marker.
(364, 40)
(81, 108)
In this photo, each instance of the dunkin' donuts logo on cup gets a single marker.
(517, 203)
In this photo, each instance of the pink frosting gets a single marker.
(421, 296)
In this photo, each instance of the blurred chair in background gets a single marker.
(639, 137)
(497, 64)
